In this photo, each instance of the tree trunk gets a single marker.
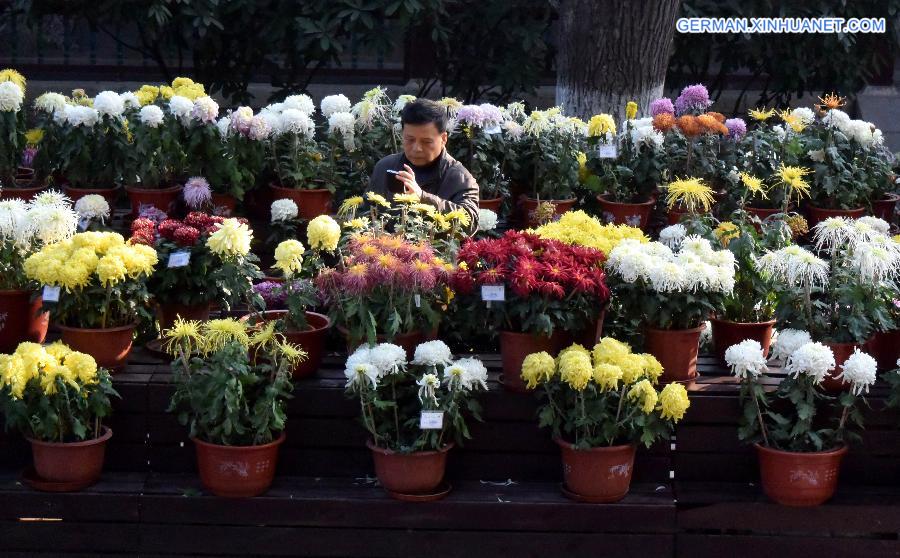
(611, 52)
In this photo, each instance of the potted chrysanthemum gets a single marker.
(799, 443)
(24, 229)
(478, 142)
(12, 128)
(93, 213)
(283, 222)
(231, 384)
(671, 293)
(600, 405)
(688, 196)
(414, 412)
(95, 290)
(57, 398)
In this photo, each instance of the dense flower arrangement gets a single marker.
(393, 393)
(547, 284)
(103, 279)
(205, 258)
(477, 141)
(54, 394)
(580, 229)
(605, 396)
(12, 125)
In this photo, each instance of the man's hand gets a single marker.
(408, 178)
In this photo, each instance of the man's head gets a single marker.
(424, 130)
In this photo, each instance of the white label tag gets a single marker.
(607, 151)
(431, 420)
(83, 223)
(50, 294)
(493, 292)
(418, 300)
(495, 129)
(179, 259)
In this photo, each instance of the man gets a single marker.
(424, 169)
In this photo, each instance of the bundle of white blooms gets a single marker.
(695, 268)
(788, 341)
(50, 218)
(129, 100)
(672, 235)
(300, 102)
(794, 266)
(151, 116)
(746, 359)
(388, 358)
(92, 206)
(181, 107)
(343, 123)
(804, 115)
(260, 128)
(334, 103)
(813, 359)
(50, 103)
(13, 223)
(513, 129)
(108, 103)
(295, 121)
(284, 210)
(860, 131)
(487, 220)
(879, 225)
(874, 255)
(370, 364)
(205, 110)
(272, 119)
(78, 115)
(432, 353)
(240, 120)
(860, 370)
(224, 126)
(642, 132)
(11, 97)
(466, 373)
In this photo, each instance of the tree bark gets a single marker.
(611, 52)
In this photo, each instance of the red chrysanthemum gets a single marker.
(168, 227)
(186, 236)
(463, 282)
(143, 237)
(143, 224)
(551, 289)
(199, 220)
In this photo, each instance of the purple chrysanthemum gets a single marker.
(693, 97)
(272, 294)
(197, 192)
(28, 156)
(491, 115)
(150, 211)
(737, 128)
(471, 115)
(661, 106)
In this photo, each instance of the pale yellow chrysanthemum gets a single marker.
(289, 257)
(538, 368)
(406, 198)
(792, 179)
(754, 185)
(377, 199)
(83, 366)
(323, 233)
(111, 270)
(231, 239)
(610, 350)
(218, 333)
(690, 193)
(350, 205)
(601, 124)
(607, 376)
(673, 402)
(183, 337)
(645, 396)
(761, 115)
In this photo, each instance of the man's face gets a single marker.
(422, 143)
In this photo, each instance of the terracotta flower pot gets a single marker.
(529, 205)
(589, 336)
(819, 214)
(237, 471)
(491, 203)
(409, 341)
(598, 475)
(726, 334)
(761, 212)
(842, 352)
(419, 472)
(21, 320)
(109, 194)
(885, 207)
(674, 215)
(311, 203)
(798, 478)
(20, 193)
(884, 346)
(110, 347)
(167, 313)
(514, 347)
(76, 463)
(161, 198)
(631, 214)
(312, 340)
(225, 202)
(676, 350)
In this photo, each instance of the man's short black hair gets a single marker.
(423, 111)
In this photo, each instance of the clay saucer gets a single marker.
(30, 477)
(441, 491)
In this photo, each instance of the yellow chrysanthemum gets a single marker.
(58, 349)
(726, 231)
(761, 115)
(406, 198)
(82, 365)
(218, 333)
(357, 224)
(13, 375)
(440, 221)
(265, 337)
(583, 172)
(575, 369)
(289, 257)
(166, 92)
(424, 208)
(631, 109)
(184, 336)
(34, 136)
(350, 205)
(459, 215)
(601, 124)
(645, 395)
(792, 120)
(231, 239)
(580, 229)
(653, 369)
(792, 179)
(292, 354)
(632, 368)
(797, 224)
(753, 184)
(673, 402)
(896, 238)
(377, 199)
(11, 75)
(181, 82)
(147, 94)
(690, 193)
(323, 233)
(610, 350)
(111, 270)
(607, 376)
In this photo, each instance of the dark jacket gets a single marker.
(446, 184)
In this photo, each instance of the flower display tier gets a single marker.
(506, 495)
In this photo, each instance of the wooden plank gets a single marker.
(62, 536)
(691, 545)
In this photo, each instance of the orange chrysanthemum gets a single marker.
(664, 121)
(717, 115)
(690, 125)
(708, 123)
(831, 101)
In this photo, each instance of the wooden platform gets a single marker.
(695, 496)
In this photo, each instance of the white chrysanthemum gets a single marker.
(860, 370)
(428, 386)
(866, 230)
(642, 132)
(295, 121)
(788, 341)
(181, 107)
(11, 97)
(877, 138)
(673, 235)
(224, 126)
(272, 120)
(817, 155)
(359, 370)
(367, 112)
(205, 110)
(387, 358)
(13, 223)
(260, 128)
(474, 373)
(432, 353)
(537, 123)
(402, 101)
(746, 359)
(92, 206)
(52, 223)
(51, 198)
(794, 266)
(50, 103)
(108, 103)
(780, 132)
(341, 122)
(862, 132)
(77, 115)
(877, 261)
(284, 210)
(701, 277)
(300, 102)
(129, 100)
(805, 115)
(813, 359)
(878, 225)
(630, 263)
(240, 119)
(487, 220)
(513, 129)
(152, 116)
(836, 119)
(667, 277)
(695, 244)
(334, 103)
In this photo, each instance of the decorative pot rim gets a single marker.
(98, 329)
(167, 189)
(274, 186)
(889, 196)
(107, 434)
(840, 450)
(827, 210)
(721, 321)
(276, 442)
(68, 186)
(617, 447)
(700, 328)
(603, 198)
(385, 451)
(246, 317)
